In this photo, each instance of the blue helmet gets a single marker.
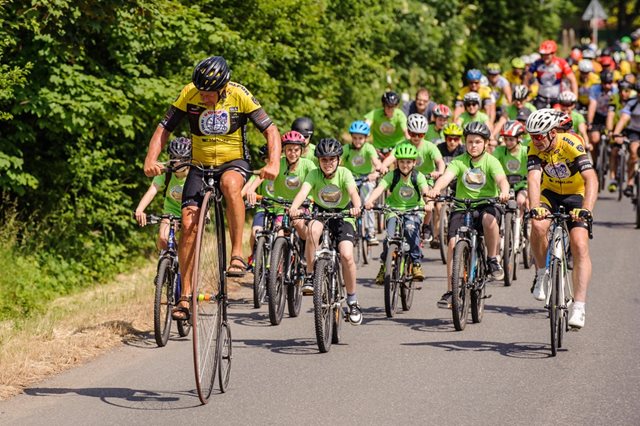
(474, 74)
(360, 127)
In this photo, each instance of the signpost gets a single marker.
(593, 13)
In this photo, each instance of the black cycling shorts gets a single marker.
(456, 219)
(552, 201)
(632, 135)
(341, 230)
(192, 194)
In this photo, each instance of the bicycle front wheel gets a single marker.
(276, 282)
(391, 277)
(477, 294)
(443, 231)
(507, 254)
(358, 242)
(205, 301)
(460, 284)
(259, 272)
(164, 302)
(407, 288)
(294, 288)
(622, 162)
(554, 306)
(323, 304)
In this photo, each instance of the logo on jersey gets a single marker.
(292, 182)
(330, 195)
(357, 161)
(557, 170)
(387, 128)
(214, 122)
(513, 165)
(176, 193)
(419, 161)
(580, 148)
(474, 179)
(406, 192)
(269, 188)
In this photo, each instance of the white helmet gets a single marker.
(471, 97)
(567, 97)
(417, 123)
(585, 65)
(544, 120)
(520, 92)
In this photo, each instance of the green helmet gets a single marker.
(406, 151)
(517, 63)
(452, 129)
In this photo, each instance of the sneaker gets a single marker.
(426, 233)
(496, 271)
(380, 276)
(539, 285)
(576, 316)
(416, 269)
(372, 240)
(354, 314)
(628, 191)
(613, 187)
(307, 287)
(445, 300)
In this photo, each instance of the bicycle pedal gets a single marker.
(487, 296)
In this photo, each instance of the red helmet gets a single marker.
(606, 61)
(442, 111)
(512, 128)
(293, 138)
(548, 46)
(576, 54)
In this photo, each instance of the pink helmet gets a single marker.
(512, 128)
(293, 138)
(442, 111)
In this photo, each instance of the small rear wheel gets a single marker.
(554, 308)
(527, 254)
(224, 356)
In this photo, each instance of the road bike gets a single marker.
(469, 265)
(167, 284)
(622, 156)
(602, 160)
(398, 275)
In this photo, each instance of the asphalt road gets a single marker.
(412, 369)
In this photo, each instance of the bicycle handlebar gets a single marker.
(153, 219)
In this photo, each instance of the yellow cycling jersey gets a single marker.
(561, 167)
(483, 91)
(585, 85)
(218, 132)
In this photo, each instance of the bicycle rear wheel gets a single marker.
(322, 304)
(208, 277)
(443, 231)
(337, 314)
(460, 284)
(276, 282)
(477, 295)
(224, 355)
(407, 288)
(163, 303)
(391, 277)
(554, 306)
(621, 178)
(507, 253)
(296, 273)
(259, 272)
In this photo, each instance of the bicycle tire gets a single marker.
(407, 288)
(554, 306)
(294, 289)
(527, 253)
(163, 302)
(507, 252)
(224, 355)
(322, 304)
(391, 275)
(366, 249)
(459, 284)
(621, 175)
(276, 282)
(259, 272)
(637, 197)
(477, 295)
(443, 231)
(337, 313)
(208, 276)
(184, 328)
(357, 243)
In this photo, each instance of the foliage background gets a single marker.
(83, 84)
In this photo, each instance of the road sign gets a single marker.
(594, 11)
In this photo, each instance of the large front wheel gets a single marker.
(164, 302)
(460, 277)
(391, 278)
(276, 282)
(323, 304)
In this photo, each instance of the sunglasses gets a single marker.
(538, 138)
(453, 138)
(474, 82)
(417, 135)
(471, 104)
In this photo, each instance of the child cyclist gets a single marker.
(513, 157)
(362, 160)
(406, 186)
(333, 189)
(179, 151)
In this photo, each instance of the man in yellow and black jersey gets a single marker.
(560, 174)
(218, 111)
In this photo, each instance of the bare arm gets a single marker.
(503, 184)
(439, 168)
(590, 189)
(271, 170)
(441, 184)
(375, 194)
(591, 111)
(574, 83)
(507, 92)
(156, 144)
(144, 203)
(299, 199)
(498, 126)
(533, 184)
(355, 200)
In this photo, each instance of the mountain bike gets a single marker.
(167, 284)
(262, 253)
(469, 265)
(622, 157)
(443, 229)
(398, 276)
(361, 247)
(558, 285)
(508, 230)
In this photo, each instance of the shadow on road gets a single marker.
(516, 311)
(287, 347)
(134, 399)
(525, 350)
(251, 319)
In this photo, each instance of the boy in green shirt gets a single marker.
(478, 174)
(513, 157)
(406, 186)
(362, 160)
(388, 124)
(471, 102)
(332, 188)
(179, 151)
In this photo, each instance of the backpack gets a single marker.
(396, 179)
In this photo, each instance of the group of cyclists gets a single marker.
(540, 122)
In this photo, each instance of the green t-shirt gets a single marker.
(173, 200)
(513, 164)
(404, 195)
(331, 193)
(387, 132)
(478, 179)
(577, 119)
(433, 135)
(310, 154)
(288, 183)
(358, 161)
(467, 118)
(265, 189)
(428, 153)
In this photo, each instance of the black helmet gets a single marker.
(390, 99)
(523, 114)
(180, 149)
(624, 85)
(606, 77)
(211, 74)
(303, 125)
(477, 128)
(328, 147)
